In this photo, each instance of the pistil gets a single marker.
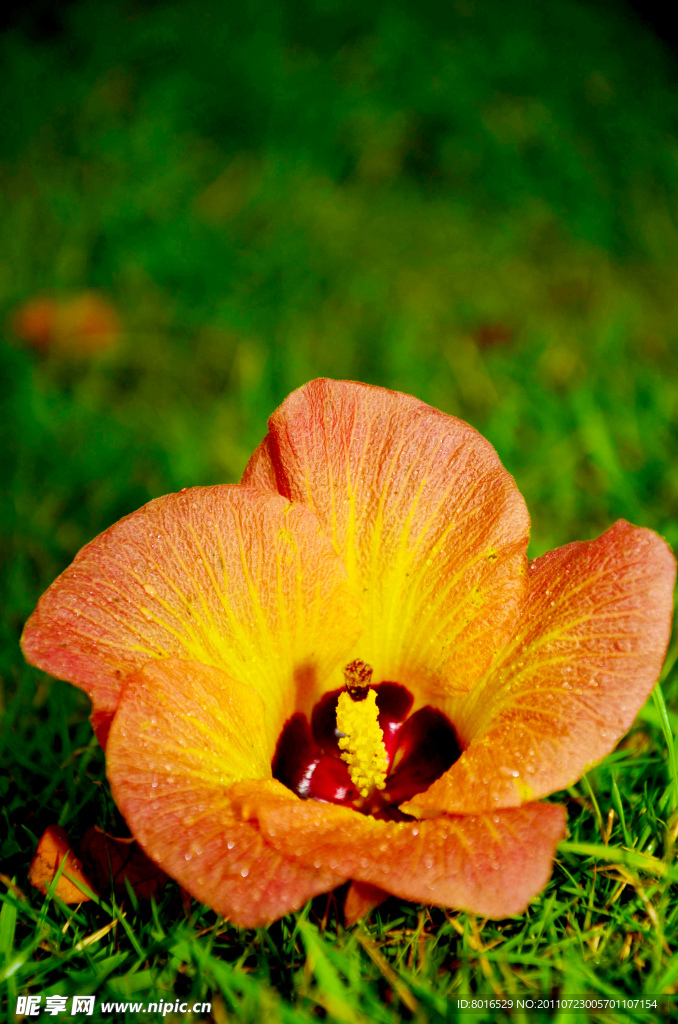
(361, 739)
(310, 758)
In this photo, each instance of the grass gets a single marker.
(604, 927)
(477, 206)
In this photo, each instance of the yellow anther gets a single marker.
(362, 741)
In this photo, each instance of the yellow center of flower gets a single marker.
(361, 739)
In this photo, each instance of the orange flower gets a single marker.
(369, 572)
(79, 326)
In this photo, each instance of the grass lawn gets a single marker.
(477, 205)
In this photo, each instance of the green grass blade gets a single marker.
(669, 739)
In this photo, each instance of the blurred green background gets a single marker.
(476, 203)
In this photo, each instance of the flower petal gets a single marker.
(361, 900)
(491, 864)
(432, 529)
(227, 576)
(53, 849)
(182, 735)
(586, 653)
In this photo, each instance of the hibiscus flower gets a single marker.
(344, 668)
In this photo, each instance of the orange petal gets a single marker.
(491, 864)
(361, 899)
(85, 324)
(53, 848)
(585, 656)
(182, 734)
(35, 321)
(432, 529)
(227, 576)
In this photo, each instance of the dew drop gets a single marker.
(230, 844)
(244, 872)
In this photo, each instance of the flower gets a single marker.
(79, 326)
(370, 570)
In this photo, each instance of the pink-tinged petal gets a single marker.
(229, 576)
(586, 654)
(431, 527)
(183, 734)
(260, 470)
(491, 864)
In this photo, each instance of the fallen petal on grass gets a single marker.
(55, 856)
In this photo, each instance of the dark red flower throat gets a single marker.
(419, 749)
